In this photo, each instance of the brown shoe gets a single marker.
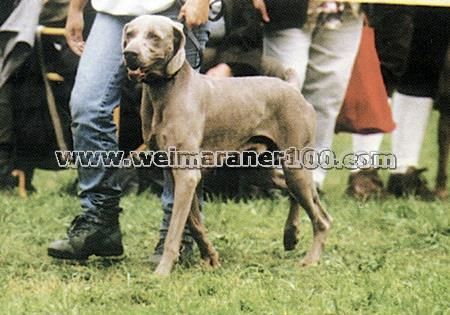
(412, 183)
(364, 185)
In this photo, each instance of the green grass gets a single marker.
(388, 257)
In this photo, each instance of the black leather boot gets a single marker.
(411, 183)
(87, 237)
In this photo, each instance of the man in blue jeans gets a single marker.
(96, 93)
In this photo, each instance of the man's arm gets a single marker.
(194, 12)
(75, 25)
(260, 6)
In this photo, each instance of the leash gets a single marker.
(191, 36)
(216, 6)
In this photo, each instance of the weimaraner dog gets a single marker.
(193, 112)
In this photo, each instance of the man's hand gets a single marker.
(221, 70)
(260, 6)
(194, 12)
(75, 25)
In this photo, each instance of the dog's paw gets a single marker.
(309, 261)
(162, 271)
(312, 257)
(290, 238)
(212, 260)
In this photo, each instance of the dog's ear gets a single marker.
(179, 55)
(124, 36)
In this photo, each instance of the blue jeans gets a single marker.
(96, 93)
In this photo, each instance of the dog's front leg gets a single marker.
(198, 230)
(186, 181)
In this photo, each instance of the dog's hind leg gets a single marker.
(198, 231)
(444, 149)
(186, 181)
(301, 186)
(291, 227)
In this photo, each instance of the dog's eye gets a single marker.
(129, 34)
(151, 35)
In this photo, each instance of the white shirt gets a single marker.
(131, 7)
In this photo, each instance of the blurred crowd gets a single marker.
(311, 44)
(71, 93)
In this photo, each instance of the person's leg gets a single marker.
(393, 26)
(413, 102)
(364, 181)
(411, 115)
(290, 47)
(409, 111)
(6, 137)
(94, 96)
(367, 143)
(331, 58)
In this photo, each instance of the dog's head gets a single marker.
(153, 47)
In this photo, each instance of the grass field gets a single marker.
(389, 257)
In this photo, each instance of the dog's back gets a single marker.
(238, 108)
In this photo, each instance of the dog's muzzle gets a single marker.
(133, 65)
(131, 60)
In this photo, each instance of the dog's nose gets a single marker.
(131, 59)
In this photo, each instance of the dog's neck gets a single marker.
(160, 88)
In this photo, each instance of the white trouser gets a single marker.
(323, 60)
